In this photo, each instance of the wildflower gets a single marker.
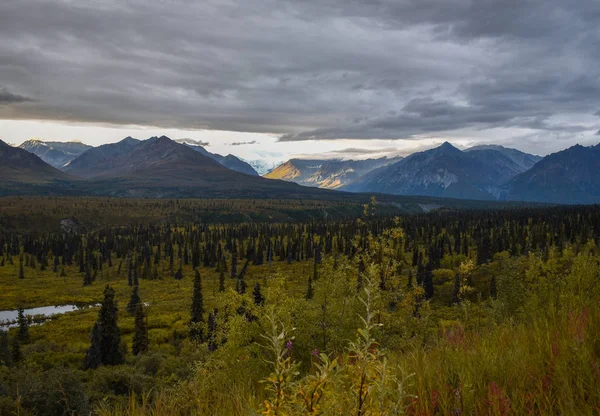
(289, 345)
(315, 352)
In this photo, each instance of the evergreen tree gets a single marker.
(179, 274)
(309, 292)
(15, 351)
(234, 261)
(212, 331)
(23, 333)
(493, 287)
(222, 280)
(197, 299)
(428, 281)
(93, 357)
(134, 300)
(197, 310)
(140, 335)
(106, 336)
(259, 300)
(5, 354)
(21, 271)
(456, 290)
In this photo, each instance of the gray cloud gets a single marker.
(243, 143)
(312, 69)
(6, 97)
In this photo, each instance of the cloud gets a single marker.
(307, 70)
(6, 97)
(243, 143)
(192, 141)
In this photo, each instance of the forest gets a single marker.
(236, 308)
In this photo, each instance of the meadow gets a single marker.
(456, 312)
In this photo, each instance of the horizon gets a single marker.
(373, 79)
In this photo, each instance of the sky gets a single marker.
(274, 79)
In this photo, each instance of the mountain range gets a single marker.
(329, 174)
(161, 167)
(57, 154)
(230, 161)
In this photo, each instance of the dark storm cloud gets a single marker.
(6, 97)
(311, 69)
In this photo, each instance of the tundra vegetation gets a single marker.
(451, 312)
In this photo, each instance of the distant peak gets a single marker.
(447, 147)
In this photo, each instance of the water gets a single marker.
(37, 315)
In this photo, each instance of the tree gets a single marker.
(140, 336)
(428, 282)
(134, 301)
(309, 291)
(197, 299)
(5, 354)
(21, 271)
(93, 357)
(493, 287)
(23, 334)
(212, 331)
(197, 312)
(456, 290)
(15, 352)
(259, 300)
(234, 261)
(106, 336)
(222, 280)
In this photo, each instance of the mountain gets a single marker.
(230, 161)
(570, 176)
(523, 160)
(18, 166)
(443, 172)
(329, 174)
(93, 161)
(56, 154)
(159, 167)
(262, 167)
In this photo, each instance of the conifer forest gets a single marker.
(233, 307)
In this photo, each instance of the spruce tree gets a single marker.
(234, 261)
(15, 351)
(428, 282)
(309, 292)
(212, 331)
(197, 299)
(23, 333)
(93, 357)
(5, 354)
(259, 300)
(134, 300)
(493, 287)
(222, 280)
(106, 336)
(197, 310)
(140, 336)
(456, 291)
(21, 271)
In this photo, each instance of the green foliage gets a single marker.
(430, 331)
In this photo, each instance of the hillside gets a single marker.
(56, 154)
(329, 174)
(570, 176)
(230, 161)
(20, 167)
(445, 171)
